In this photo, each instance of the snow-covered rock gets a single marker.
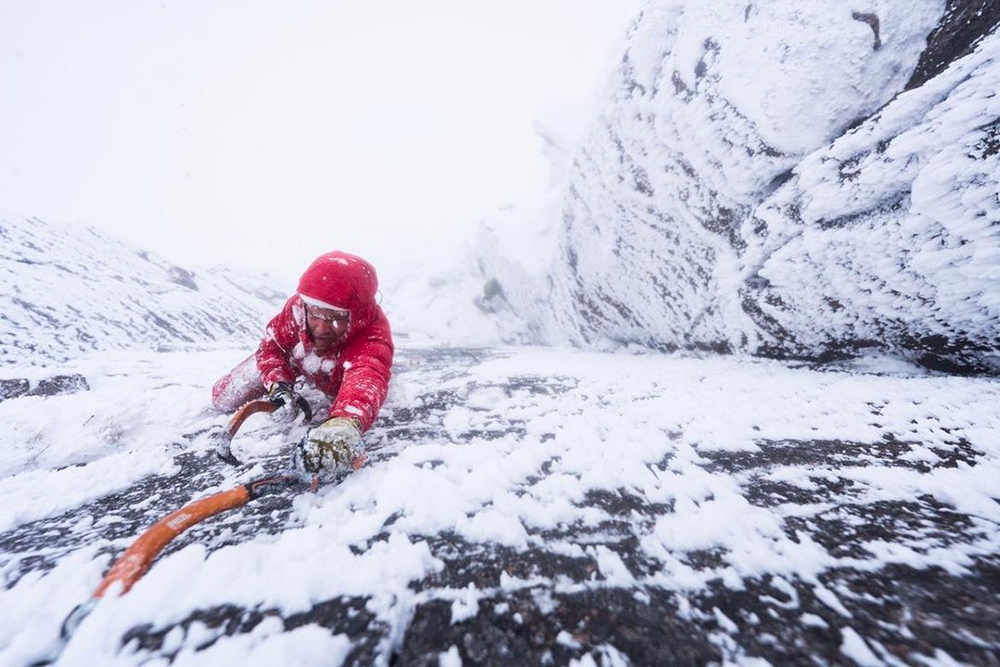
(70, 290)
(519, 506)
(783, 180)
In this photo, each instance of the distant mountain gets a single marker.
(70, 290)
(792, 181)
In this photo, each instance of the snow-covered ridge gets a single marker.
(70, 290)
(758, 181)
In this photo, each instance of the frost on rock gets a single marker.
(758, 181)
(890, 237)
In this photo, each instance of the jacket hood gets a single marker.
(341, 280)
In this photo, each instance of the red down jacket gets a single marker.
(355, 373)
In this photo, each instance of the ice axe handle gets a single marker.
(223, 448)
(249, 408)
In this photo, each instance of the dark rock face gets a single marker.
(60, 384)
(52, 386)
(852, 208)
(649, 631)
(964, 24)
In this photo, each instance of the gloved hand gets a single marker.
(282, 394)
(330, 447)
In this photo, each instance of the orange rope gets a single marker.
(138, 557)
(132, 564)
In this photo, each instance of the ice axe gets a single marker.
(224, 440)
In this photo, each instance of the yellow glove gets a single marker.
(332, 446)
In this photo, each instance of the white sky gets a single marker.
(263, 133)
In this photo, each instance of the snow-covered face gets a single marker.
(327, 326)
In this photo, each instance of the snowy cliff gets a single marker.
(69, 290)
(783, 181)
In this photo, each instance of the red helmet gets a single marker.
(341, 280)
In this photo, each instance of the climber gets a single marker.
(333, 335)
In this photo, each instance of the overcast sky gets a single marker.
(263, 133)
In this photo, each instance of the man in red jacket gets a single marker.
(332, 333)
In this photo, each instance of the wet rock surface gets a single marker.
(535, 604)
(69, 383)
(60, 384)
(12, 388)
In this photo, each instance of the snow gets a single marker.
(451, 658)
(646, 425)
(854, 648)
(269, 644)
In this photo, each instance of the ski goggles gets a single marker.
(332, 316)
